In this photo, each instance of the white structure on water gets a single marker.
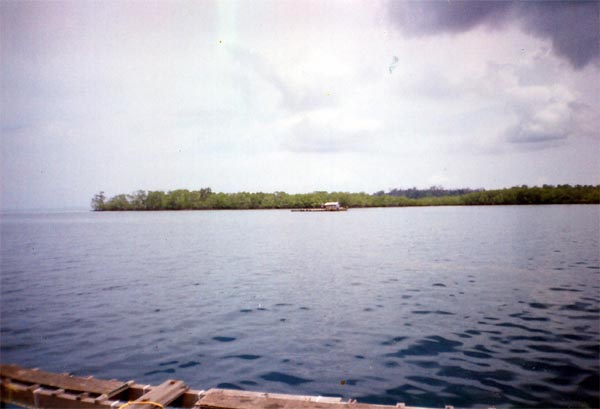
(332, 206)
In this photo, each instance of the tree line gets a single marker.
(206, 199)
(433, 191)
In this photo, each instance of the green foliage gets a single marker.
(205, 198)
(547, 194)
(433, 191)
(98, 201)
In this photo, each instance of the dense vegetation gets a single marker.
(433, 191)
(183, 199)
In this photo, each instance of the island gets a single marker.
(206, 199)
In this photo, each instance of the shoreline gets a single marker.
(206, 199)
(318, 210)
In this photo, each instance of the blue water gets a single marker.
(464, 306)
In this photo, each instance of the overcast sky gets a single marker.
(295, 96)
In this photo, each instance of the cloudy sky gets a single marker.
(295, 96)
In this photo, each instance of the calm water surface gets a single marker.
(464, 306)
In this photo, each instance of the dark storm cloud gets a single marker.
(572, 26)
(428, 17)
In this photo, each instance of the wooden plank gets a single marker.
(36, 396)
(38, 389)
(189, 398)
(16, 394)
(53, 400)
(162, 394)
(220, 400)
(62, 381)
(228, 399)
(238, 393)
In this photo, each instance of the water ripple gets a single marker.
(284, 378)
(224, 339)
(383, 305)
(430, 346)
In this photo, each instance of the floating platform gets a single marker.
(320, 209)
(32, 388)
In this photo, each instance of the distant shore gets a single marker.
(206, 199)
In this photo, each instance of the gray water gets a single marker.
(464, 306)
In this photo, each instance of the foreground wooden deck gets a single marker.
(32, 388)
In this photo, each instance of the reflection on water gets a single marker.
(464, 306)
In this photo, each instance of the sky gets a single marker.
(294, 96)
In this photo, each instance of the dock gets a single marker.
(320, 209)
(325, 207)
(34, 388)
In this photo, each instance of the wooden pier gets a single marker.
(33, 388)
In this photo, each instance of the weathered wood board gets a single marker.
(38, 389)
(63, 381)
(163, 394)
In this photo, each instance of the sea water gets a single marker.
(434, 306)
